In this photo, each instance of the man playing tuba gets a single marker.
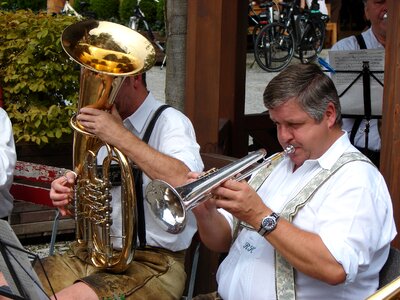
(172, 150)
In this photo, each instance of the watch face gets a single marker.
(269, 223)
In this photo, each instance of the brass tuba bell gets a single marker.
(107, 53)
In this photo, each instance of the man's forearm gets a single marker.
(155, 164)
(214, 231)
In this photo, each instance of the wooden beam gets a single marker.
(216, 72)
(390, 154)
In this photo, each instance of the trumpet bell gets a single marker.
(166, 205)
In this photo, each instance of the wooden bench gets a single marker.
(33, 214)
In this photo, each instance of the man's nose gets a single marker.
(285, 134)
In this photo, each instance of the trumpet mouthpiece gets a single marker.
(289, 149)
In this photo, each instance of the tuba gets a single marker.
(107, 53)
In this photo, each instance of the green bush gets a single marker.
(40, 83)
(126, 10)
(153, 11)
(105, 9)
(161, 13)
(34, 5)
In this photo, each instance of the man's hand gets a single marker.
(106, 126)
(61, 192)
(242, 201)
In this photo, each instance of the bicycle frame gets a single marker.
(134, 22)
(69, 10)
(299, 24)
(295, 34)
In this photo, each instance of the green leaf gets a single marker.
(58, 133)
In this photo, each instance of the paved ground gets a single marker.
(256, 81)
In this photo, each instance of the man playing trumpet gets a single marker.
(321, 222)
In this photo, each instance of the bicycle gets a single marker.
(296, 34)
(258, 20)
(136, 20)
(68, 10)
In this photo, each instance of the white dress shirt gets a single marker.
(351, 212)
(8, 158)
(374, 140)
(172, 135)
(322, 6)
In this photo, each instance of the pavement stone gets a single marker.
(256, 81)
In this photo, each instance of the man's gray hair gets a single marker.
(309, 86)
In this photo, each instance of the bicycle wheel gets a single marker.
(273, 49)
(312, 41)
(256, 30)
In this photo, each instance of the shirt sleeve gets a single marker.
(363, 225)
(8, 155)
(174, 135)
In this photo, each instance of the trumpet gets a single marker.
(169, 205)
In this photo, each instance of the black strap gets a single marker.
(356, 125)
(138, 175)
(358, 120)
(361, 41)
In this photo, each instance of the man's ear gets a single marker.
(136, 80)
(331, 114)
(366, 12)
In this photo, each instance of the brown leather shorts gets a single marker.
(154, 274)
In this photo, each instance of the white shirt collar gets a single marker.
(371, 39)
(140, 117)
(341, 145)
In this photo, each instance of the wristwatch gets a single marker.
(268, 224)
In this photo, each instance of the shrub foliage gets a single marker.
(40, 83)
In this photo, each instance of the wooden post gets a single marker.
(55, 6)
(390, 151)
(215, 90)
(216, 73)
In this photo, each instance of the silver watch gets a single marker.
(268, 224)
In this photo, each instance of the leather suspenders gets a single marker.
(138, 175)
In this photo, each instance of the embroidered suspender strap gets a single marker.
(284, 273)
(255, 182)
(139, 180)
(258, 179)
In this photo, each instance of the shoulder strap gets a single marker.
(284, 272)
(354, 129)
(255, 182)
(139, 180)
(152, 123)
(358, 120)
(361, 41)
